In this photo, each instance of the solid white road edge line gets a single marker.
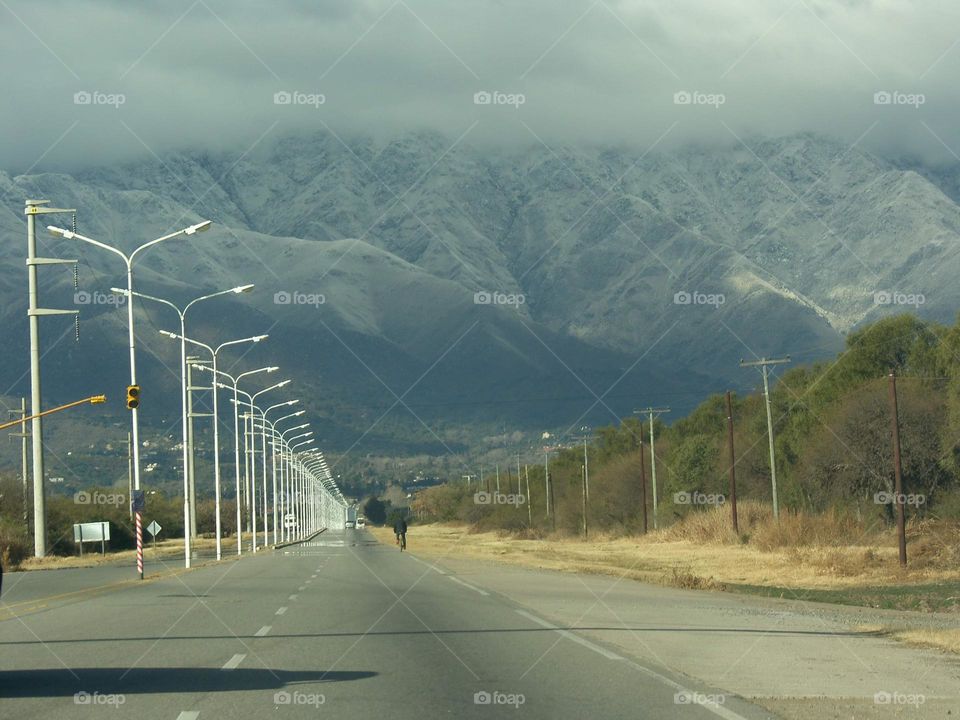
(468, 585)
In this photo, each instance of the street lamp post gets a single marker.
(183, 393)
(282, 442)
(284, 471)
(253, 464)
(273, 457)
(236, 437)
(135, 416)
(301, 507)
(216, 421)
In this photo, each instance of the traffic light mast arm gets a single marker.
(94, 400)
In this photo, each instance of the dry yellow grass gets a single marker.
(164, 549)
(657, 558)
(940, 639)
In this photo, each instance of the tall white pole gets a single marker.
(192, 455)
(273, 458)
(36, 425)
(263, 483)
(236, 463)
(186, 448)
(253, 476)
(135, 416)
(216, 457)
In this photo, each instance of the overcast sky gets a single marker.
(95, 81)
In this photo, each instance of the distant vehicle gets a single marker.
(349, 525)
(361, 522)
(290, 522)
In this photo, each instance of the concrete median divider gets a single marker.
(277, 546)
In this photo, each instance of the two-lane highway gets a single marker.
(341, 625)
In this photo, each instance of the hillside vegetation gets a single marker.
(834, 454)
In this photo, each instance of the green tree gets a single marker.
(375, 510)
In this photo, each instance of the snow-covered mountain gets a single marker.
(623, 278)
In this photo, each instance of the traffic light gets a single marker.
(133, 397)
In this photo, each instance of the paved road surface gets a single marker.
(339, 626)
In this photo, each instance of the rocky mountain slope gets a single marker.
(542, 288)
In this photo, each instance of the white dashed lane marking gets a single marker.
(234, 662)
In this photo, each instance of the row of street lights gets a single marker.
(306, 484)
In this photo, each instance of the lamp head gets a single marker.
(242, 288)
(59, 232)
(199, 227)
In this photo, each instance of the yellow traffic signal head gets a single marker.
(133, 397)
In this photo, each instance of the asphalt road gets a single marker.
(340, 626)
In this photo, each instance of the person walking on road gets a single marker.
(400, 528)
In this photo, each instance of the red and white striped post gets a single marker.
(139, 543)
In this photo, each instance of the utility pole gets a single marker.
(21, 413)
(651, 412)
(898, 498)
(546, 480)
(586, 471)
(733, 464)
(586, 467)
(519, 490)
(34, 313)
(764, 364)
(526, 472)
(468, 478)
(498, 478)
(480, 484)
(553, 504)
(583, 479)
(643, 488)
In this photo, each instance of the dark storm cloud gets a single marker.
(92, 82)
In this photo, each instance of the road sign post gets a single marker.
(154, 529)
